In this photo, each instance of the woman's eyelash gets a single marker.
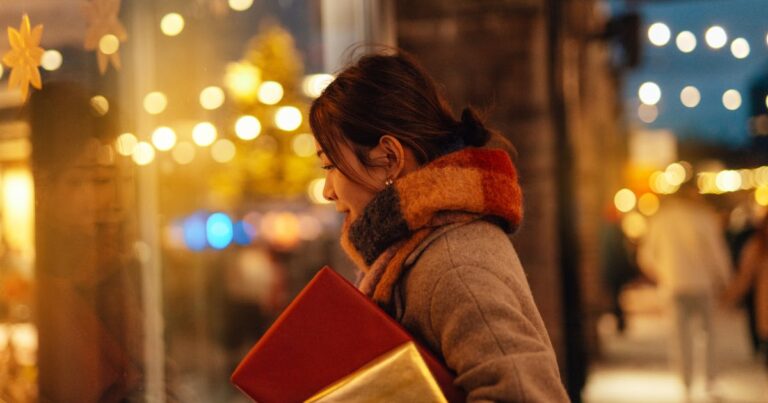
(327, 167)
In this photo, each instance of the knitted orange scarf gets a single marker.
(457, 187)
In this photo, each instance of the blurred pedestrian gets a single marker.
(685, 252)
(427, 216)
(752, 277)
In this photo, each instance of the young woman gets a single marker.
(427, 218)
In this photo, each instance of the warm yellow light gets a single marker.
(675, 174)
(143, 154)
(310, 227)
(690, 96)
(51, 60)
(624, 200)
(761, 176)
(686, 41)
(304, 145)
(650, 93)
(223, 151)
(183, 153)
(164, 138)
(740, 48)
(240, 5)
(155, 102)
(761, 196)
(716, 37)
(100, 105)
(204, 134)
(247, 127)
(647, 113)
(288, 118)
(747, 179)
(706, 182)
(172, 24)
(17, 209)
(270, 92)
(242, 80)
(109, 44)
(315, 191)
(732, 100)
(281, 229)
(659, 34)
(648, 204)
(634, 225)
(728, 181)
(313, 85)
(211, 97)
(659, 184)
(1, 70)
(125, 144)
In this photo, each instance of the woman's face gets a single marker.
(350, 196)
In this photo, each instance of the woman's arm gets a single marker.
(741, 284)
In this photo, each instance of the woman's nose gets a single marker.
(328, 191)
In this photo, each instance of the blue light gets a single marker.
(243, 233)
(219, 230)
(194, 232)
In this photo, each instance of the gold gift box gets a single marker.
(400, 375)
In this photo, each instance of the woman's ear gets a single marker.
(392, 154)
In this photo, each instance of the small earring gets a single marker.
(388, 182)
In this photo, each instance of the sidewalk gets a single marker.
(634, 366)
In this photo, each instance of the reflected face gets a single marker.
(350, 196)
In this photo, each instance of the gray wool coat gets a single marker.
(466, 296)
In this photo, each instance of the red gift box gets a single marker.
(329, 331)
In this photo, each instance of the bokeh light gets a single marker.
(732, 100)
(740, 48)
(240, 5)
(648, 204)
(51, 60)
(624, 200)
(686, 41)
(242, 80)
(313, 85)
(728, 181)
(304, 145)
(649, 93)
(716, 37)
(195, 232)
(634, 225)
(100, 105)
(211, 97)
(288, 118)
(647, 113)
(690, 96)
(247, 127)
(675, 174)
(155, 102)
(223, 151)
(270, 92)
(164, 138)
(747, 179)
(761, 195)
(143, 153)
(183, 153)
(219, 231)
(315, 191)
(172, 24)
(243, 233)
(281, 229)
(659, 184)
(126, 143)
(109, 44)
(204, 134)
(659, 34)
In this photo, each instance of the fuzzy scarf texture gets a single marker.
(458, 187)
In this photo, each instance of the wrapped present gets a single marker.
(331, 338)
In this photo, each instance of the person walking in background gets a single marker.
(685, 252)
(753, 276)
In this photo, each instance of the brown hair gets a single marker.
(389, 94)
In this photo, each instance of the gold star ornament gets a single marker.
(24, 57)
(105, 32)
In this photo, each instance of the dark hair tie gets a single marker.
(471, 129)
